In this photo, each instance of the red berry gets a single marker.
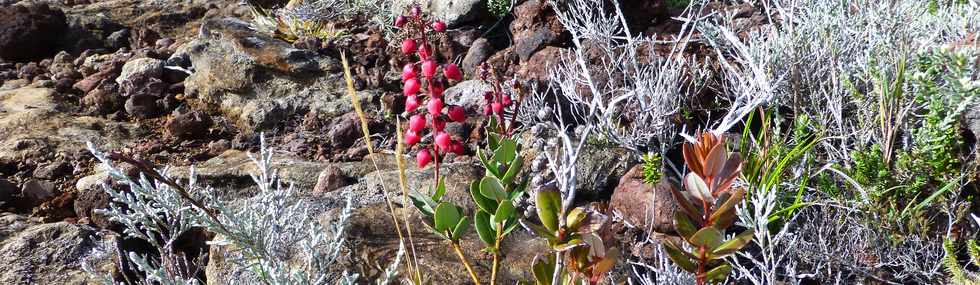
(506, 100)
(439, 26)
(436, 90)
(425, 51)
(408, 71)
(412, 137)
(443, 141)
(452, 72)
(435, 106)
(423, 158)
(438, 124)
(497, 108)
(428, 68)
(408, 46)
(416, 123)
(400, 21)
(457, 114)
(411, 87)
(411, 103)
(457, 148)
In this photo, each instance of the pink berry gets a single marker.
(400, 21)
(411, 87)
(439, 26)
(452, 72)
(408, 46)
(438, 124)
(435, 106)
(411, 103)
(506, 100)
(457, 114)
(423, 158)
(436, 90)
(428, 68)
(443, 141)
(408, 71)
(425, 51)
(497, 108)
(412, 137)
(416, 123)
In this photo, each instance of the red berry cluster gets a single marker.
(436, 113)
(497, 99)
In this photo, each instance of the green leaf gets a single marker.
(423, 203)
(511, 225)
(680, 258)
(514, 167)
(506, 151)
(446, 217)
(460, 228)
(696, 186)
(440, 189)
(733, 245)
(491, 188)
(488, 164)
(504, 212)
(541, 231)
(683, 225)
(724, 220)
(493, 139)
(543, 269)
(719, 273)
(481, 221)
(485, 204)
(575, 217)
(549, 205)
(708, 237)
(569, 244)
(730, 202)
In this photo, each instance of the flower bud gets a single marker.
(506, 100)
(423, 158)
(443, 141)
(452, 72)
(457, 148)
(411, 87)
(497, 108)
(408, 71)
(408, 46)
(428, 68)
(412, 137)
(411, 103)
(435, 106)
(439, 26)
(425, 51)
(457, 114)
(416, 123)
(400, 21)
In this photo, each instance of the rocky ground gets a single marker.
(189, 82)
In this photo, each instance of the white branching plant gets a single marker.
(271, 238)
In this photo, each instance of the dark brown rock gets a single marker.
(142, 106)
(345, 130)
(53, 170)
(479, 51)
(648, 207)
(90, 200)
(7, 192)
(331, 178)
(29, 32)
(36, 192)
(189, 125)
(535, 26)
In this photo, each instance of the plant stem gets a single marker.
(496, 254)
(462, 258)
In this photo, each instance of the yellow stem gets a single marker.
(462, 258)
(496, 257)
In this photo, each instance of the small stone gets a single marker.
(118, 39)
(7, 192)
(53, 170)
(648, 207)
(36, 192)
(346, 129)
(142, 106)
(190, 125)
(479, 52)
(331, 179)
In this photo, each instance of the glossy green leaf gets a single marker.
(724, 220)
(484, 203)
(734, 244)
(719, 273)
(541, 231)
(543, 269)
(677, 255)
(460, 228)
(506, 151)
(488, 164)
(513, 168)
(708, 237)
(504, 212)
(447, 216)
(575, 217)
(683, 225)
(568, 244)
(481, 221)
(510, 226)
(491, 188)
(729, 203)
(440, 189)
(549, 205)
(493, 139)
